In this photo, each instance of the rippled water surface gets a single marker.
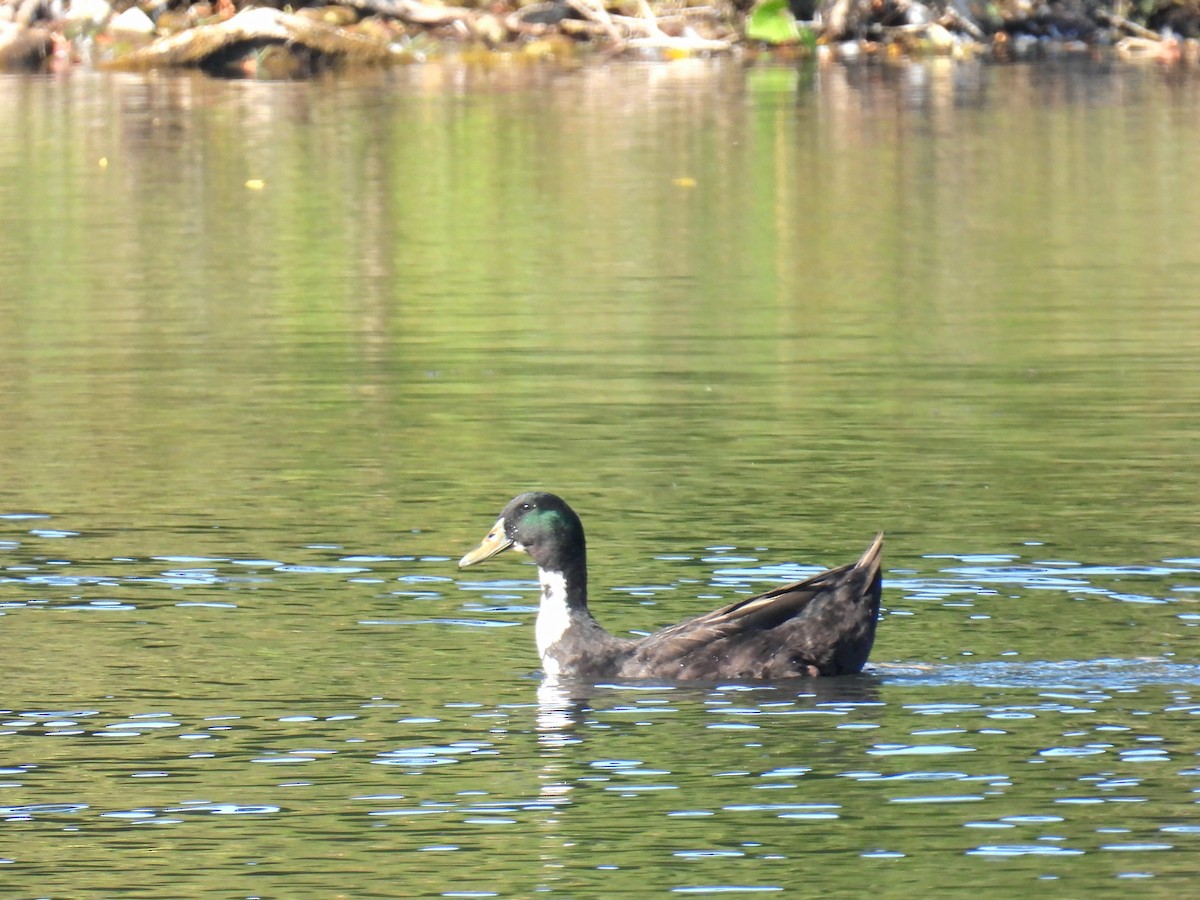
(742, 320)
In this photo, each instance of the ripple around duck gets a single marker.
(1109, 674)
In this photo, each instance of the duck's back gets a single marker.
(824, 625)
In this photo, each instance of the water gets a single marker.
(742, 320)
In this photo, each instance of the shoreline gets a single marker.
(226, 39)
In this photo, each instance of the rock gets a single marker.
(489, 29)
(88, 14)
(918, 14)
(132, 21)
(24, 49)
(550, 12)
(939, 38)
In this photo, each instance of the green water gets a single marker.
(741, 320)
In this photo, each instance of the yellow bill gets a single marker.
(495, 542)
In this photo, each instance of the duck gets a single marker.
(819, 626)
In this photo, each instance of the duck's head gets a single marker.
(539, 524)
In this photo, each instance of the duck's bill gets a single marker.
(495, 542)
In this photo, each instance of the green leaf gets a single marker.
(772, 22)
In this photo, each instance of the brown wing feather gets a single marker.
(820, 625)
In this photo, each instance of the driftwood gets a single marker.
(414, 11)
(1132, 27)
(644, 32)
(257, 27)
(957, 18)
(1154, 49)
(594, 11)
(261, 40)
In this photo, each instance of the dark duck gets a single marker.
(823, 625)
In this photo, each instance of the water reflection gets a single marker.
(747, 317)
(1111, 674)
(573, 720)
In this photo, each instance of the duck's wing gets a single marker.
(778, 605)
(820, 625)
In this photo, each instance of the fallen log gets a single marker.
(253, 29)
